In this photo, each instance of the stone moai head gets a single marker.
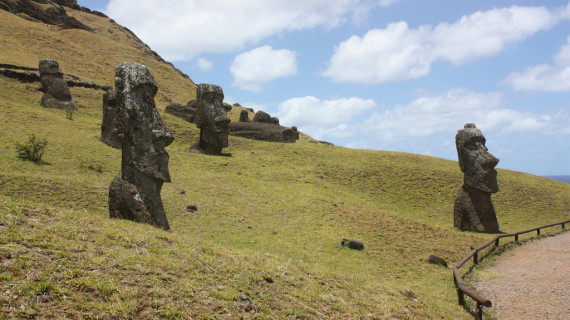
(143, 133)
(135, 193)
(56, 91)
(211, 118)
(476, 163)
(51, 67)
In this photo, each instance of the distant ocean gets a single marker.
(565, 179)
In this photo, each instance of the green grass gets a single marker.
(269, 219)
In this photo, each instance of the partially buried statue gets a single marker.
(56, 92)
(473, 207)
(135, 193)
(212, 119)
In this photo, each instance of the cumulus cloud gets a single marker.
(439, 115)
(204, 64)
(180, 30)
(544, 77)
(254, 68)
(323, 118)
(398, 53)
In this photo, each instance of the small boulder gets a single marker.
(437, 260)
(352, 244)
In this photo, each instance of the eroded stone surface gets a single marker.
(109, 127)
(212, 119)
(473, 210)
(56, 92)
(135, 193)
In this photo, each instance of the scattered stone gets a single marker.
(182, 191)
(473, 210)
(352, 244)
(56, 92)
(191, 208)
(437, 260)
(109, 126)
(246, 303)
(211, 119)
(135, 193)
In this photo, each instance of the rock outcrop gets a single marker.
(473, 210)
(135, 193)
(56, 92)
(54, 14)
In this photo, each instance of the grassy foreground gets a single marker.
(269, 219)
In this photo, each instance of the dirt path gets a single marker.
(530, 282)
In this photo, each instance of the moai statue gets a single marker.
(211, 119)
(56, 92)
(244, 116)
(109, 126)
(473, 209)
(135, 193)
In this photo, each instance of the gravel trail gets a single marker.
(530, 282)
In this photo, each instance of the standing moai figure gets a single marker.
(211, 119)
(55, 89)
(109, 127)
(473, 209)
(135, 193)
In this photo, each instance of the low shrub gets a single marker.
(33, 150)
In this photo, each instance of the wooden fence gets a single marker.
(462, 290)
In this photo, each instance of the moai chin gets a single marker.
(473, 210)
(211, 119)
(135, 193)
(56, 92)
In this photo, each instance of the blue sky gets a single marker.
(399, 75)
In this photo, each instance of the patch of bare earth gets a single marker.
(530, 282)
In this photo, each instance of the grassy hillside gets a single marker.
(268, 222)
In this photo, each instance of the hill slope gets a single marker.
(269, 215)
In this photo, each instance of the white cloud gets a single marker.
(323, 118)
(180, 30)
(446, 113)
(544, 77)
(398, 53)
(254, 68)
(425, 117)
(204, 64)
(387, 3)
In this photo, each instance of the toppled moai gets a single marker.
(263, 127)
(109, 126)
(55, 89)
(473, 210)
(135, 193)
(211, 119)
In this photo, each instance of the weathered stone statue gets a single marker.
(135, 193)
(473, 207)
(244, 116)
(109, 126)
(56, 92)
(211, 119)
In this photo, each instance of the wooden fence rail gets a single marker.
(462, 290)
